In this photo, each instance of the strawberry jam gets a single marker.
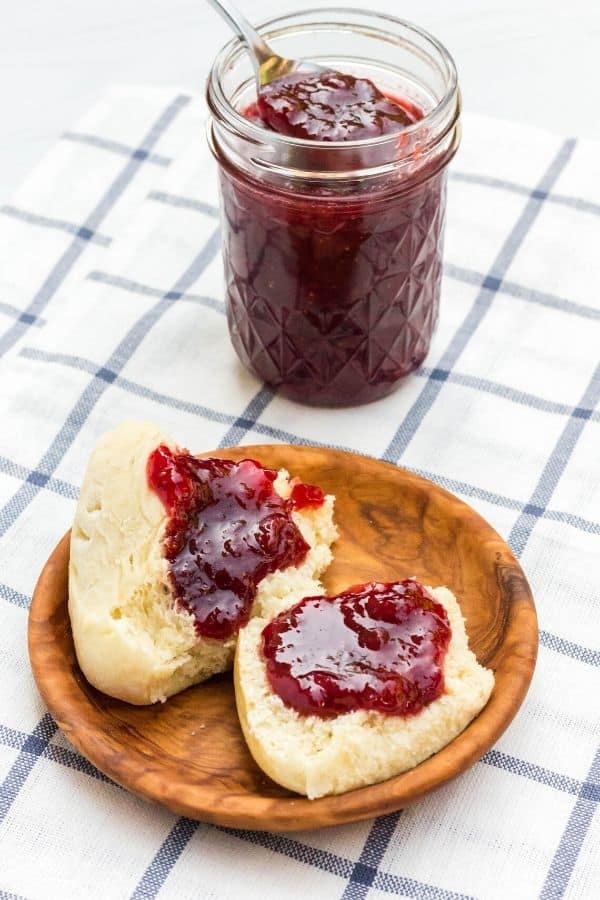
(307, 495)
(329, 106)
(375, 647)
(228, 528)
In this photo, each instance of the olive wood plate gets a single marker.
(189, 753)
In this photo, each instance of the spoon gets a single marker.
(267, 64)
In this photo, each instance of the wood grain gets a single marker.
(189, 753)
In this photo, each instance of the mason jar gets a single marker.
(333, 250)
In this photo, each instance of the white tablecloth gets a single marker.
(111, 308)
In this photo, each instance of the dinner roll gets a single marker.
(133, 640)
(318, 756)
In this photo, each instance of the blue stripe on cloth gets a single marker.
(569, 648)
(242, 423)
(379, 838)
(33, 747)
(17, 740)
(476, 314)
(534, 773)
(132, 387)
(575, 203)
(82, 233)
(569, 847)
(471, 490)
(286, 846)
(247, 420)
(178, 200)
(364, 871)
(160, 867)
(340, 865)
(145, 290)
(554, 468)
(13, 312)
(14, 469)
(408, 887)
(570, 519)
(71, 760)
(10, 737)
(56, 485)
(171, 849)
(14, 597)
(512, 289)
(19, 502)
(97, 386)
(514, 188)
(140, 153)
(523, 398)
(70, 256)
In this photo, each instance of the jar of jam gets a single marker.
(332, 240)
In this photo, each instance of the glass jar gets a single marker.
(333, 251)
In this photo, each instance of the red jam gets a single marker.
(307, 495)
(375, 646)
(228, 528)
(333, 287)
(329, 106)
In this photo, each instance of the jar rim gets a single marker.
(220, 106)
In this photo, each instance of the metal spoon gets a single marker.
(267, 64)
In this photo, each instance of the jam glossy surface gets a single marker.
(329, 106)
(375, 647)
(307, 495)
(333, 290)
(228, 528)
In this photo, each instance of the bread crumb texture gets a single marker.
(131, 638)
(317, 757)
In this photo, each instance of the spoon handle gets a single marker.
(259, 51)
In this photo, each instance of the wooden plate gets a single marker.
(189, 753)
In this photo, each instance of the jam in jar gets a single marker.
(333, 196)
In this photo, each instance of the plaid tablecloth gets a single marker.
(111, 308)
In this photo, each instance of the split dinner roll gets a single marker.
(318, 756)
(132, 639)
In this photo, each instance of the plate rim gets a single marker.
(296, 812)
